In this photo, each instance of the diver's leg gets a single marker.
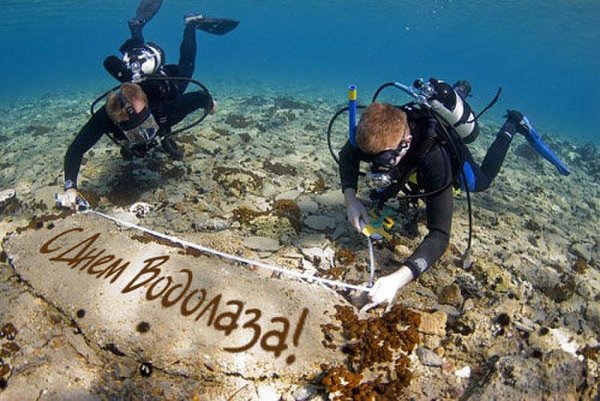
(487, 172)
(144, 13)
(187, 56)
(135, 28)
(147, 9)
(177, 110)
(471, 176)
(185, 104)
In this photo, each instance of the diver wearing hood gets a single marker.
(406, 141)
(139, 116)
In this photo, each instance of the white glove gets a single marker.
(69, 199)
(72, 199)
(386, 287)
(357, 213)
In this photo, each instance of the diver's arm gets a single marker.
(433, 246)
(358, 216)
(384, 290)
(436, 174)
(88, 136)
(439, 219)
(349, 166)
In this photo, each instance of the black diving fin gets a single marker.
(216, 26)
(147, 9)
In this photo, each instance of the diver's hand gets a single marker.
(385, 288)
(73, 200)
(213, 110)
(69, 199)
(357, 213)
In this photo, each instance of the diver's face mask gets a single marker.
(382, 165)
(141, 128)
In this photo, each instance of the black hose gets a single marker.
(206, 111)
(102, 96)
(461, 160)
(382, 87)
(335, 116)
(486, 108)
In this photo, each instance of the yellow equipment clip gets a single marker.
(381, 222)
(352, 93)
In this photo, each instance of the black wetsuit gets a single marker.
(435, 169)
(166, 100)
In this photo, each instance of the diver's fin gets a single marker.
(216, 26)
(147, 9)
(535, 140)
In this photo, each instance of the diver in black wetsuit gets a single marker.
(400, 142)
(141, 121)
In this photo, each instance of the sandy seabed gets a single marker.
(258, 180)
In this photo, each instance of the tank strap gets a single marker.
(465, 115)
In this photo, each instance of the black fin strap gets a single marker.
(463, 119)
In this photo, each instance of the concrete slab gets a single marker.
(185, 313)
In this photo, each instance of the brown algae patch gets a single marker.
(279, 168)
(238, 121)
(378, 366)
(237, 181)
(286, 209)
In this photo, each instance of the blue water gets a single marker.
(545, 55)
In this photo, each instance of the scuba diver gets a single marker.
(419, 149)
(140, 113)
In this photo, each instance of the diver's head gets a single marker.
(128, 94)
(128, 109)
(383, 133)
(145, 59)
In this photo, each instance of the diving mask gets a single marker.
(141, 128)
(382, 165)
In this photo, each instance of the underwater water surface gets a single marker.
(543, 54)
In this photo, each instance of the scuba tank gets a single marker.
(449, 103)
